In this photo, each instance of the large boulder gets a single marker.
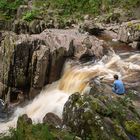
(129, 31)
(91, 27)
(101, 117)
(53, 120)
(32, 61)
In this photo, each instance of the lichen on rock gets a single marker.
(100, 117)
(133, 127)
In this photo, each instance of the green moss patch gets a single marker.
(133, 128)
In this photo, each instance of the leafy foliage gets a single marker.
(133, 128)
(8, 7)
(30, 15)
(27, 131)
(30, 132)
(69, 7)
(88, 6)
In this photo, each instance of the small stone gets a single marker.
(52, 119)
(135, 45)
(77, 138)
(102, 128)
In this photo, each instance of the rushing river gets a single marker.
(74, 79)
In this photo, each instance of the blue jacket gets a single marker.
(118, 87)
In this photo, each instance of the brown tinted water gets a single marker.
(117, 46)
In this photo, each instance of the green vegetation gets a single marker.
(133, 128)
(37, 132)
(27, 131)
(67, 7)
(88, 6)
(32, 132)
(9, 7)
(30, 15)
(74, 9)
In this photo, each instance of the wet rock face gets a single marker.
(40, 63)
(101, 117)
(32, 61)
(129, 31)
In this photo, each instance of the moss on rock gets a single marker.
(133, 128)
(27, 131)
(98, 117)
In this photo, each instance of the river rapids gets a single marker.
(75, 78)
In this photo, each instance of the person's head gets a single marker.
(116, 77)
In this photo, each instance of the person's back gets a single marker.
(118, 86)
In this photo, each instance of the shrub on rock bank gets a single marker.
(27, 131)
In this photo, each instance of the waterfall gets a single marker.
(74, 79)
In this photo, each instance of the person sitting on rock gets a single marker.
(118, 86)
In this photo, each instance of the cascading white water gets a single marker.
(74, 79)
(78, 77)
(49, 100)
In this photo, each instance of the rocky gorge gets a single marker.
(32, 61)
(46, 64)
